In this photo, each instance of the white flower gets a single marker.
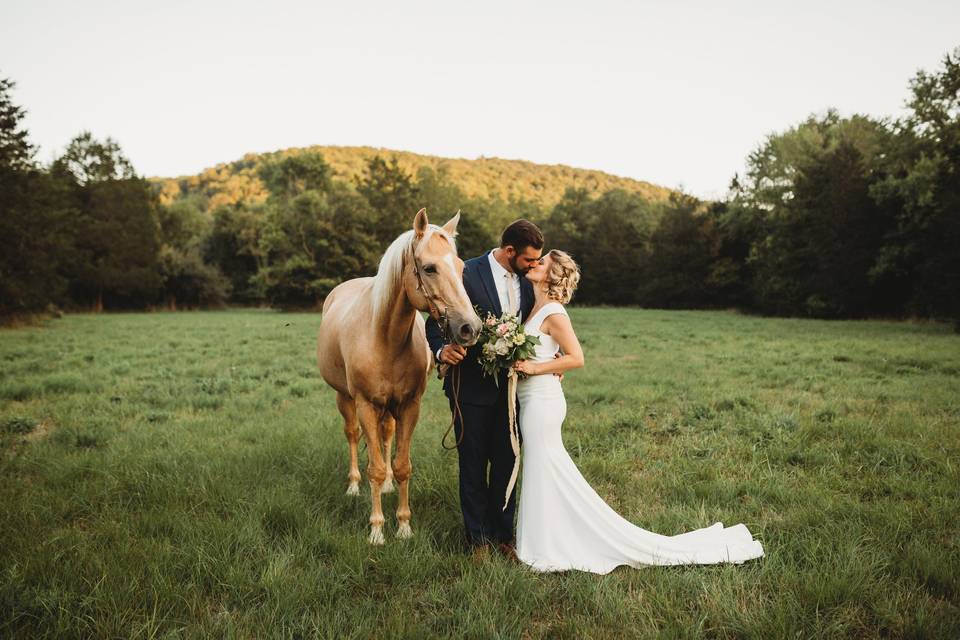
(502, 347)
(519, 338)
(489, 351)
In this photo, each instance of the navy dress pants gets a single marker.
(486, 462)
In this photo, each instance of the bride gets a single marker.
(562, 523)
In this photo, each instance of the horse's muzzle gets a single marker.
(464, 330)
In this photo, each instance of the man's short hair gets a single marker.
(521, 234)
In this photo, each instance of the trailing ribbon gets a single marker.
(514, 435)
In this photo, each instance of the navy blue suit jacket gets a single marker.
(475, 388)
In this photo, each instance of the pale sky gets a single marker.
(675, 93)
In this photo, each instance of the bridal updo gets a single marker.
(562, 277)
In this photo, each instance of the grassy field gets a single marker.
(182, 475)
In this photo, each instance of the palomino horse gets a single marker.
(373, 351)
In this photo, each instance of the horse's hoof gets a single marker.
(387, 486)
(376, 536)
(353, 489)
(404, 530)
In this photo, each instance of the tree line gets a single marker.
(835, 217)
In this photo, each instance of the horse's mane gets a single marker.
(389, 276)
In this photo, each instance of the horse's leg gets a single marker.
(352, 430)
(370, 417)
(402, 468)
(389, 429)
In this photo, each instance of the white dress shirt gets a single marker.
(500, 278)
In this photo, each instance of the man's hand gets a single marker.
(452, 354)
(560, 374)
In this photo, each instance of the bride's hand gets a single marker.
(523, 366)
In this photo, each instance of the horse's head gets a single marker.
(435, 284)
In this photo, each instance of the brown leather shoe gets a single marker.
(509, 551)
(480, 553)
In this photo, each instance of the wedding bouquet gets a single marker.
(502, 342)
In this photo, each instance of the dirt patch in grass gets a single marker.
(40, 432)
(15, 441)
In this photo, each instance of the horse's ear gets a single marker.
(420, 223)
(451, 226)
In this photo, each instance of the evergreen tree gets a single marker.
(35, 220)
(16, 152)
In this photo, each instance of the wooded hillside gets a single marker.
(484, 178)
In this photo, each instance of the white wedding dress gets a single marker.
(562, 522)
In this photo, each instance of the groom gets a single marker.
(495, 284)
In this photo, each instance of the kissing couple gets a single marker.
(562, 523)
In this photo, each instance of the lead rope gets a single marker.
(457, 411)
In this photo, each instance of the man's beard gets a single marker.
(516, 267)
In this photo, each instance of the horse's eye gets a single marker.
(429, 269)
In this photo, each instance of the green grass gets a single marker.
(183, 475)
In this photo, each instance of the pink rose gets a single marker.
(503, 329)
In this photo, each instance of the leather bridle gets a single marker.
(441, 317)
(444, 321)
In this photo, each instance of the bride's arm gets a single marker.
(558, 327)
